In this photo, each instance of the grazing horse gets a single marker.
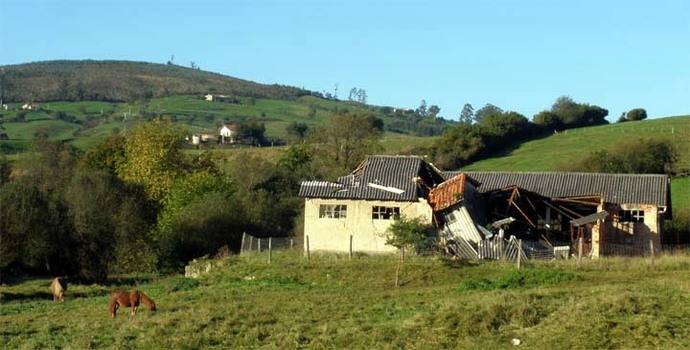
(132, 299)
(58, 286)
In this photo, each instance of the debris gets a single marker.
(516, 341)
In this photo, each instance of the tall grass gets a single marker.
(332, 302)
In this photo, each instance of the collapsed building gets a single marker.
(599, 214)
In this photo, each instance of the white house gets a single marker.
(29, 107)
(364, 203)
(227, 133)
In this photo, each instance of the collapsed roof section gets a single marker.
(389, 178)
(449, 192)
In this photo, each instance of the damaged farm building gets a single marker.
(607, 214)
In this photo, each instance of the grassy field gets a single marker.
(331, 302)
(94, 120)
(555, 151)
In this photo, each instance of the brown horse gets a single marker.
(132, 299)
(58, 287)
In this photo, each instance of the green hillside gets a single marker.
(92, 121)
(559, 150)
(330, 302)
(124, 81)
(85, 101)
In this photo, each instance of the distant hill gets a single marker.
(558, 150)
(120, 81)
(85, 101)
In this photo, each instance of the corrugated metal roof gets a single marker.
(402, 173)
(614, 188)
(447, 193)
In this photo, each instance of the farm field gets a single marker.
(551, 153)
(94, 121)
(330, 302)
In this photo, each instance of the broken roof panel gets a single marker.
(393, 178)
(614, 188)
(448, 193)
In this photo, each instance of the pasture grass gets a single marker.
(330, 302)
(558, 150)
(190, 112)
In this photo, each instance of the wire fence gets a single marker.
(257, 244)
(513, 250)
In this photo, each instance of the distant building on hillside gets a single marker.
(221, 98)
(227, 133)
(29, 106)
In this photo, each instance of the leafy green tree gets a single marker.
(643, 156)
(109, 155)
(25, 228)
(573, 114)
(413, 234)
(458, 146)
(434, 110)
(297, 130)
(186, 189)
(486, 111)
(636, 114)
(92, 202)
(345, 141)
(296, 158)
(202, 227)
(467, 114)
(153, 159)
(547, 119)
(410, 233)
(251, 130)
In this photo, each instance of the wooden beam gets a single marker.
(533, 207)
(578, 215)
(511, 199)
(524, 215)
(558, 210)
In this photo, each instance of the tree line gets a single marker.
(139, 203)
(490, 129)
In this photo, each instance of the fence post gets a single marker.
(259, 245)
(579, 250)
(251, 242)
(292, 243)
(308, 255)
(269, 249)
(242, 246)
(519, 253)
(350, 247)
(651, 250)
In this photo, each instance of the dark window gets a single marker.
(333, 211)
(632, 216)
(385, 213)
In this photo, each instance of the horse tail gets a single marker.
(150, 304)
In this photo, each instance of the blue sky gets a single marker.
(519, 55)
